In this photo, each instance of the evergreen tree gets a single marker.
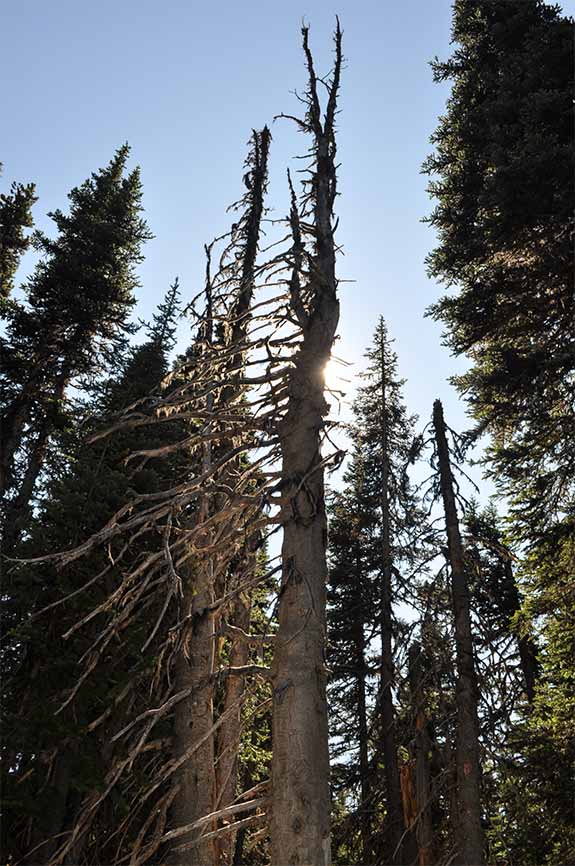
(503, 182)
(375, 529)
(76, 308)
(387, 433)
(352, 599)
(534, 818)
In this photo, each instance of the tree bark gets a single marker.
(424, 826)
(193, 721)
(230, 733)
(194, 716)
(45, 838)
(471, 836)
(12, 426)
(300, 829)
(421, 749)
(300, 765)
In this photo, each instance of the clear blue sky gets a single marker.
(185, 81)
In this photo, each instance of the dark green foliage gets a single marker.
(42, 668)
(503, 181)
(15, 217)
(531, 795)
(74, 317)
(497, 601)
(78, 297)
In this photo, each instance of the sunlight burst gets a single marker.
(336, 376)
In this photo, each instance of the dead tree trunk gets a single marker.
(194, 715)
(472, 841)
(195, 665)
(300, 831)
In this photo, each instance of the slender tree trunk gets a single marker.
(230, 733)
(12, 425)
(239, 847)
(360, 665)
(194, 670)
(45, 838)
(18, 510)
(528, 658)
(424, 831)
(472, 841)
(193, 721)
(14, 419)
(421, 749)
(387, 674)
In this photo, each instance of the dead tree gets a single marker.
(471, 836)
(300, 764)
(195, 664)
(253, 400)
(203, 522)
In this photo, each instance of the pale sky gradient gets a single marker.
(185, 81)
